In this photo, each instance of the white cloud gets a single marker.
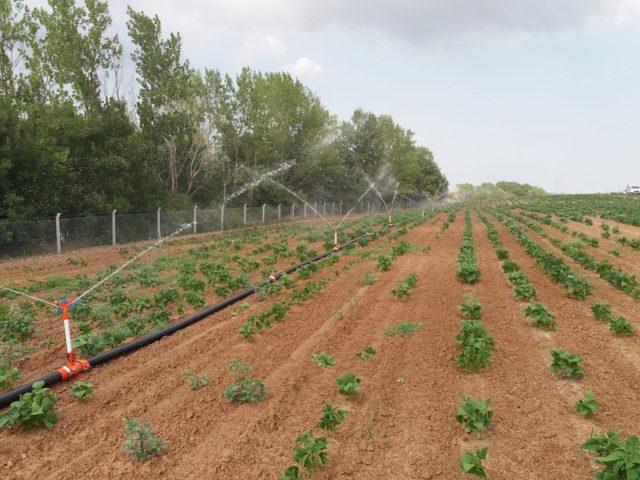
(304, 67)
(255, 48)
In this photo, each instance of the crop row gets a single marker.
(468, 270)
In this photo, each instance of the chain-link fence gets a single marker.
(63, 234)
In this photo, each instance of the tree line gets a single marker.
(76, 137)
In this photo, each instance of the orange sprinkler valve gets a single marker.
(336, 248)
(73, 368)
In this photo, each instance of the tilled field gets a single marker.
(402, 424)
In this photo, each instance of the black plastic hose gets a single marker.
(55, 377)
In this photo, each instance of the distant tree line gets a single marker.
(499, 190)
(76, 137)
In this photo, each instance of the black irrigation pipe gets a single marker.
(56, 376)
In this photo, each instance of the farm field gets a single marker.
(482, 301)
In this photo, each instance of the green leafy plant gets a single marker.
(368, 278)
(81, 390)
(602, 311)
(292, 472)
(32, 409)
(312, 453)
(384, 263)
(468, 270)
(471, 463)
(621, 326)
(195, 381)
(366, 353)
(143, 442)
(476, 346)
(543, 317)
(474, 415)
(17, 324)
(621, 458)
(587, 406)
(403, 329)
(244, 388)
(331, 417)
(349, 384)
(323, 359)
(566, 364)
(470, 308)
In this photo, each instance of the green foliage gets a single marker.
(81, 390)
(17, 324)
(621, 326)
(349, 384)
(543, 317)
(474, 415)
(312, 453)
(403, 329)
(366, 353)
(368, 278)
(32, 409)
(620, 458)
(468, 270)
(566, 364)
(166, 296)
(143, 442)
(292, 472)
(323, 359)
(384, 263)
(195, 299)
(476, 346)
(470, 309)
(244, 388)
(405, 289)
(471, 463)
(602, 311)
(331, 417)
(195, 381)
(587, 406)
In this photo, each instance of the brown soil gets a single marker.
(401, 426)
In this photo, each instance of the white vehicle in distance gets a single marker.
(633, 189)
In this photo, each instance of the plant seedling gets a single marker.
(474, 415)
(384, 263)
(366, 353)
(621, 459)
(368, 278)
(602, 311)
(32, 409)
(621, 326)
(312, 453)
(476, 346)
(81, 390)
(323, 359)
(292, 472)
(566, 364)
(403, 329)
(543, 317)
(245, 388)
(331, 417)
(349, 384)
(471, 463)
(195, 381)
(143, 442)
(470, 309)
(587, 406)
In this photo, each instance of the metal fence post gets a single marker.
(244, 215)
(340, 207)
(279, 211)
(158, 222)
(305, 211)
(113, 228)
(264, 217)
(333, 208)
(315, 209)
(58, 235)
(293, 210)
(222, 217)
(195, 219)
(324, 209)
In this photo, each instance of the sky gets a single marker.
(539, 91)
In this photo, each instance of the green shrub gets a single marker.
(602, 311)
(587, 406)
(543, 317)
(17, 324)
(323, 359)
(471, 463)
(474, 415)
(566, 364)
(331, 417)
(143, 442)
(621, 326)
(349, 384)
(403, 329)
(384, 263)
(32, 409)
(476, 346)
(244, 388)
(81, 390)
(366, 353)
(195, 381)
(621, 458)
(471, 309)
(312, 453)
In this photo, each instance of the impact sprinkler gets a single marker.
(336, 246)
(73, 367)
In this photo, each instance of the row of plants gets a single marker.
(575, 285)
(468, 270)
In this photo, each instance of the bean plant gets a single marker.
(143, 443)
(244, 388)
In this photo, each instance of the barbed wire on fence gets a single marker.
(21, 238)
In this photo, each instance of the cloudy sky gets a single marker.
(539, 91)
